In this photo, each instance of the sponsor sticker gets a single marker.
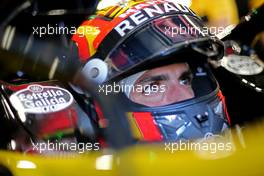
(143, 12)
(39, 99)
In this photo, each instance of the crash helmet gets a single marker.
(155, 54)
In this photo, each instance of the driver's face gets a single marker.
(176, 79)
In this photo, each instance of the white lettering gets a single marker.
(182, 8)
(151, 11)
(168, 7)
(123, 26)
(138, 18)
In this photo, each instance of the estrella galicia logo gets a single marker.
(39, 99)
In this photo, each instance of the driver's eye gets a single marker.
(154, 83)
(186, 79)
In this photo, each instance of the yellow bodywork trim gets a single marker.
(151, 159)
(256, 3)
(218, 12)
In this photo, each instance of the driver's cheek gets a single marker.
(152, 99)
(178, 93)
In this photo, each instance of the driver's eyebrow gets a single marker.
(153, 78)
(187, 73)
